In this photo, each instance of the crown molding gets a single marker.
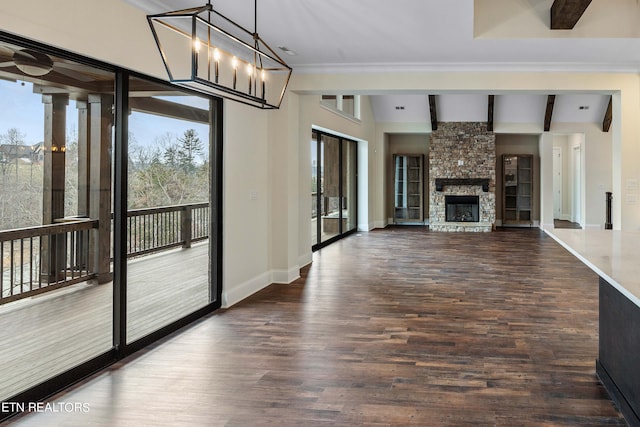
(556, 67)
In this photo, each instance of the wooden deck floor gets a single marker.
(394, 327)
(50, 333)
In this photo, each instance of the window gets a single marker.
(346, 105)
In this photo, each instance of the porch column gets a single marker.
(55, 122)
(100, 138)
(84, 157)
(82, 242)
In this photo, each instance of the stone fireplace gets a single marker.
(462, 177)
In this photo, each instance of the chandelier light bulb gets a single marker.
(234, 63)
(216, 59)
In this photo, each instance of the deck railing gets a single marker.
(37, 259)
(47, 257)
(155, 229)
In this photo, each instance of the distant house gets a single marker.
(27, 153)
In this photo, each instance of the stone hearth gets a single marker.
(462, 159)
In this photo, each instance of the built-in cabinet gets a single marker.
(408, 188)
(517, 189)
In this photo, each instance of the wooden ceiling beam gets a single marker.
(161, 107)
(551, 99)
(490, 114)
(565, 14)
(434, 112)
(608, 116)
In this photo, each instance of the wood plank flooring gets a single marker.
(394, 327)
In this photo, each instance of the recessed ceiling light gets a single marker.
(287, 50)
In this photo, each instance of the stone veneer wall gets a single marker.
(476, 147)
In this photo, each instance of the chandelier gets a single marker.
(205, 50)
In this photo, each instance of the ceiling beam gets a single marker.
(160, 107)
(565, 14)
(434, 112)
(490, 113)
(608, 116)
(551, 99)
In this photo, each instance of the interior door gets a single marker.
(557, 182)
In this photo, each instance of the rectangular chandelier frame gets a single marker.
(204, 50)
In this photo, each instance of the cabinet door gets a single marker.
(408, 177)
(509, 188)
(517, 189)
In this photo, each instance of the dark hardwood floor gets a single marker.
(393, 327)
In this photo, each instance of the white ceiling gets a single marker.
(372, 35)
(508, 108)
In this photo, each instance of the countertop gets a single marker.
(613, 255)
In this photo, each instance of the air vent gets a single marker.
(287, 50)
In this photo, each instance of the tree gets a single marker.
(10, 141)
(189, 149)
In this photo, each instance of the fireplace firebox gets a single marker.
(462, 208)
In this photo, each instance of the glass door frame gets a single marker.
(319, 243)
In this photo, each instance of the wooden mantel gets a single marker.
(441, 182)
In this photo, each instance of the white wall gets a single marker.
(246, 263)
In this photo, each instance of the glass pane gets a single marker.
(168, 203)
(350, 199)
(330, 185)
(56, 141)
(348, 105)
(330, 100)
(525, 162)
(314, 188)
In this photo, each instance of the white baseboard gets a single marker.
(243, 290)
(285, 276)
(305, 259)
(364, 227)
(378, 224)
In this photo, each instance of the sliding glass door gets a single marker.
(334, 184)
(56, 282)
(168, 206)
(110, 204)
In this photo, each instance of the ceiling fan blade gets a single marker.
(6, 50)
(7, 64)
